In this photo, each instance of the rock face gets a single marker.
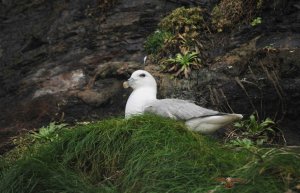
(66, 60)
(264, 84)
(252, 70)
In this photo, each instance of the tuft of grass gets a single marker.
(144, 154)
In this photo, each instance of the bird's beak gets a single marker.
(125, 84)
(128, 83)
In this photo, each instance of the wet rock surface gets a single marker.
(66, 61)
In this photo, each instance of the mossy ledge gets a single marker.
(144, 154)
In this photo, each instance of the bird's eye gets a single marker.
(142, 75)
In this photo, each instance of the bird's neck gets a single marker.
(139, 99)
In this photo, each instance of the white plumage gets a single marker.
(143, 99)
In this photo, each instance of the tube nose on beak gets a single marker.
(127, 83)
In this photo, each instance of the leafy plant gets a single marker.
(183, 19)
(183, 63)
(245, 143)
(156, 41)
(226, 13)
(48, 133)
(178, 35)
(185, 25)
(259, 132)
(254, 127)
(27, 143)
(256, 21)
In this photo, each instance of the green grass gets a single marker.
(143, 154)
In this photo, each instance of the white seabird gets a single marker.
(143, 99)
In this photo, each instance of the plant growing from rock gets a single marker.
(185, 24)
(256, 21)
(229, 13)
(155, 41)
(178, 34)
(26, 143)
(183, 63)
(181, 19)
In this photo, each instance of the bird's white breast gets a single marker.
(138, 100)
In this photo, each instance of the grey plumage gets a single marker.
(179, 109)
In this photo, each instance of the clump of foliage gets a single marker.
(253, 131)
(48, 133)
(155, 41)
(185, 24)
(229, 13)
(145, 154)
(26, 142)
(183, 27)
(182, 20)
(244, 143)
(183, 63)
(256, 21)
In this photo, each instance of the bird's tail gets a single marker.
(224, 119)
(212, 123)
(236, 116)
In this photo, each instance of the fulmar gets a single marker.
(143, 100)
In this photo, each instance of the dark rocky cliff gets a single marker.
(66, 60)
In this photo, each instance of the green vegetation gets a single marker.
(155, 41)
(48, 133)
(178, 34)
(182, 20)
(256, 21)
(25, 141)
(188, 30)
(183, 63)
(252, 130)
(144, 154)
(244, 143)
(228, 13)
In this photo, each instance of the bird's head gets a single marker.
(140, 78)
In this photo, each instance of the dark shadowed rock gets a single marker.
(259, 77)
(66, 61)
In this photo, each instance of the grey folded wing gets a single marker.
(179, 109)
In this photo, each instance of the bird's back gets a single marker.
(179, 109)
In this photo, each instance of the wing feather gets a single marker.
(179, 109)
